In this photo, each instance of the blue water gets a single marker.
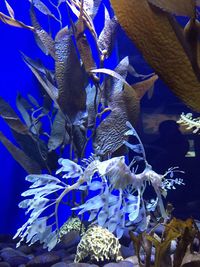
(16, 77)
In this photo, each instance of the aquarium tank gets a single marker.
(99, 133)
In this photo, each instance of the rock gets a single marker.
(13, 257)
(59, 264)
(38, 249)
(120, 264)
(62, 253)
(63, 264)
(127, 251)
(69, 258)
(44, 260)
(79, 264)
(7, 245)
(4, 264)
(72, 250)
(25, 249)
(69, 240)
(133, 260)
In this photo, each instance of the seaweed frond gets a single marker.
(178, 231)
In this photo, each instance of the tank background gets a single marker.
(16, 77)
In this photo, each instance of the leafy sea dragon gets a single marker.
(188, 121)
(118, 201)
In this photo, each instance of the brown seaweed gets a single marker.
(155, 33)
(177, 7)
(43, 39)
(69, 75)
(11, 118)
(13, 22)
(123, 101)
(106, 39)
(59, 135)
(25, 161)
(182, 232)
(83, 44)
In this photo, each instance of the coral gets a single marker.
(98, 244)
(72, 224)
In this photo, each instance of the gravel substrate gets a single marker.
(61, 256)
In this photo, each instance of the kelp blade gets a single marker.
(151, 31)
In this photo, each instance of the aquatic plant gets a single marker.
(76, 93)
(83, 102)
(169, 49)
(119, 195)
(181, 233)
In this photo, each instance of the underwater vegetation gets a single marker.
(171, 50)
(76, 101)
(184, 232)
(77, 141)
